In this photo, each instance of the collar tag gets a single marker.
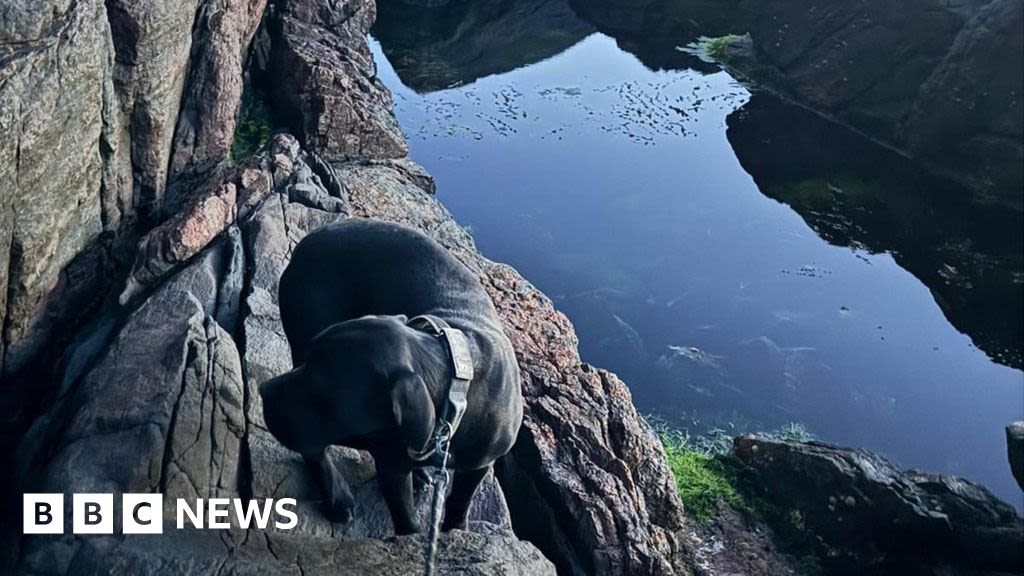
(462, 359)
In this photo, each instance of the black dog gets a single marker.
(364, 378)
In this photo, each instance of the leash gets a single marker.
(437, 450)
(441, 479)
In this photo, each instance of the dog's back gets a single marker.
(359, 266)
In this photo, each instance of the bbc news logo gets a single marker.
(143, 513)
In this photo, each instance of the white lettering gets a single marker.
(282, 510)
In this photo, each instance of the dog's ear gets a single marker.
(413, 409)
(402, 318)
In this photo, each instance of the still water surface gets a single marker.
(740, 262)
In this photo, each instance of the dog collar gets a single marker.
(461, 362)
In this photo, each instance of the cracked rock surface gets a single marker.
(170, 405)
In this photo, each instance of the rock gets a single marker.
(733, 544)
(968, 113)
(278, 552)
(1015, 450)
(212, 94)
(180, 238)
(171, 244)
(161, 395)
(864, 516)
(171, 405)
(918, 74)
(152, 42)
(592, 487)
(90, 98)
(325, 84)
(54, 201)
(183, 439)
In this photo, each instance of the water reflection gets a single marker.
(857, 194)
(740, 262)
(447, 44)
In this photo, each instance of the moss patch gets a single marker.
(252, 130)
(702, 480)
(706, 474)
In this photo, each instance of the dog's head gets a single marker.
(358, 380)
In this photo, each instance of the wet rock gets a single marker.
(733, 543)
(591, 485)
(864, 516)
(1015, 450)
(279, 552)
(325, 83)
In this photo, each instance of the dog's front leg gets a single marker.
(338, 500)
(396, 486)
(456, 512)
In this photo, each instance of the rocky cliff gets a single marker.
(105, 106)
(146, 261)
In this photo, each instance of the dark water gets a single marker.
(740, 262)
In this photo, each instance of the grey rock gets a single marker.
(868, 517)
(325, 81)
(52, 80)
(205, 553)
(939, 80)
(152, 42)
(306, 188)
(212, 95)
(229, 293)
(171, 406)
(161, 410)
(90, 97)
(174, 242)
(969, 114)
